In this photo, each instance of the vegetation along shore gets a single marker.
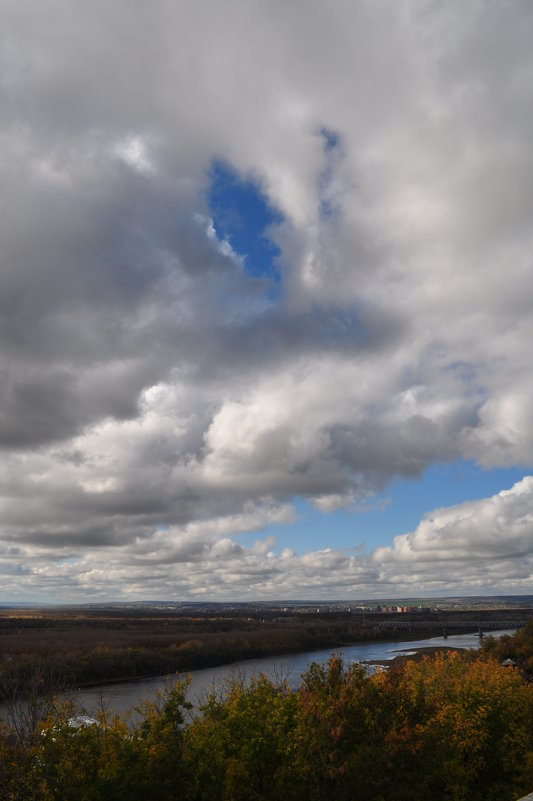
(449, 726)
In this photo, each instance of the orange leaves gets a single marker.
(455, 727)
(461, 714)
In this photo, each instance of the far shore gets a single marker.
(414, 656)
(401, 637)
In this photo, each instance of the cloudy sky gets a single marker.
(266, 295)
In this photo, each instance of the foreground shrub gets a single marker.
(453, 728)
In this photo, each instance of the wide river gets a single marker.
(124, 697)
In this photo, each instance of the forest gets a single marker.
(74, 648)
(83, 648)
(453, 727)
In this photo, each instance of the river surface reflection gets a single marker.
(124, 697)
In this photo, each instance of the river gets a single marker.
(123, 697)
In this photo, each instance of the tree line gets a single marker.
(100, 650)
(455, 727)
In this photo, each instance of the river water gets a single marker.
(122, 698)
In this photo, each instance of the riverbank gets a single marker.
(386, 734)
(415, 656)
(271, 655)
(67, 650)
(67, 674)
(123, 697)
(80, 648)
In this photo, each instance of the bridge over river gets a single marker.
(451, 625)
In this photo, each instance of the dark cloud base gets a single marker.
(160, 390)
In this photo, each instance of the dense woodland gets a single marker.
(456, 726)
(79, 648)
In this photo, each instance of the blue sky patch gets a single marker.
(398, 510)
(331, 139)
(241, 214)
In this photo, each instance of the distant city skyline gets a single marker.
(266, 300)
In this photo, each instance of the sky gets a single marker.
(266, 299)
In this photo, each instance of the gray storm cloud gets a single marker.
(149, 384)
